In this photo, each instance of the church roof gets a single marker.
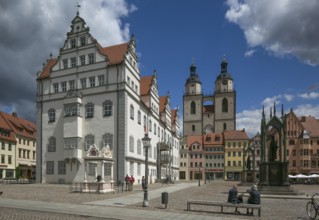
(193, 75)
(236, 135)
(224, 72)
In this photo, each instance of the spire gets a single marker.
(193, 68)
(224, 65)
(274, 108)
(270, 112)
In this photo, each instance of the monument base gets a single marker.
(274, 173)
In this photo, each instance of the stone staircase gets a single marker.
(279, 190)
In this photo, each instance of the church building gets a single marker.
(94, 108)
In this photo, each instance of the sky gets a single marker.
(272, 48)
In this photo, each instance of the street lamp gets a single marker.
(146, 143)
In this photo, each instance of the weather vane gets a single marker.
(78, 8)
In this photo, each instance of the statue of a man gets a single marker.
(273, 149)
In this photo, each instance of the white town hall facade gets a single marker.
(94, 96)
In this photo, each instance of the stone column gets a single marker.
(102, 171)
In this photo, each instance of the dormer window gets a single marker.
(72, 42)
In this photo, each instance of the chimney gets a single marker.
(15, 114)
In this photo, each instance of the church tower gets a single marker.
(225, 100)
(193, 102)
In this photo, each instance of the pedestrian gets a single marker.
(254, 198)
(126, 179)
(143, 183)
(232, 197)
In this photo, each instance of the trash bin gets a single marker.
(165, 198)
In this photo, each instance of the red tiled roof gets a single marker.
(146, 83)
(236, 135)
(163, 101)
(191, 139)
(5, 126)
(20, 126)
(173, 115)
(213, 139)
(311, 125)
(115, 53)
(47, 70)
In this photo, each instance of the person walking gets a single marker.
(254, 198)
(232, 197)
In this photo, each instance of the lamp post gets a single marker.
(198, 175)
(146, 143)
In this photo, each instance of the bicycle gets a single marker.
(312, 207)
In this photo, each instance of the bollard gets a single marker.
(165, 198)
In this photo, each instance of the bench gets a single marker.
(222, 205)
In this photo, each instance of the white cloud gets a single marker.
(271, 100)
(307, 110)
(31, 29)
(285, 27)
(288, 97)
(311, 95)
(249, 120)
(249, 53)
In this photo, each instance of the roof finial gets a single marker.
(154, 73)
(78, 9)
(224, 57)
(193, 60)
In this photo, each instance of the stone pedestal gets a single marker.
(274, 173)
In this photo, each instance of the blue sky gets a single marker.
(271, 47)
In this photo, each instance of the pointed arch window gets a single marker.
(193, 107)
(52, 144)
(225, 105)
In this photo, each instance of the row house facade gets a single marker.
(91, 95)
(18, 147)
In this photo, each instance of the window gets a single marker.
(56, 87)
(89, 141)
(101, 80)
(234, 154)
(83, 83)
(92, 169)
(9, 159)
(193, 108)
(72, 42)
(225, 126)
(225, 105)
(132, 112)
(291, 142)
(71, 143)
(51, 114)
(61, 168)
(50, 167)
(234, 163)
(139, 147)
(63, 86)
(139, 117)
(52, 144)
(293, 152)
(132, 168)
(3, 158)
(89, 110)
(71, 84)
(91, 58)
(155, 130)
(107, 169)
(150, 125)
(92, 81)
(72, 110)
(131, 144)
(73, 62)
(83, 41)
(294, 164)
(65, 63)
(144, 122)
(108, 140)
(193, 128)
(10, 147)
(107, 108)
(82, 60)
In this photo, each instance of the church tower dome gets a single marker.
(224, 81)
(193, 85)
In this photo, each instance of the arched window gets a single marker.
(225, 105)
(52, 144)
(225, 127)
(193, 128)
(51, 114)
(131, 144)
(144, 123)
(132, 112)
(150, 125)
(139, 147)
(107, 108)
(108, 140)
(139, 117)
(193, 108)
(89, 110)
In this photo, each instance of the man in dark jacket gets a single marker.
(232, 196)
(254, 198)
